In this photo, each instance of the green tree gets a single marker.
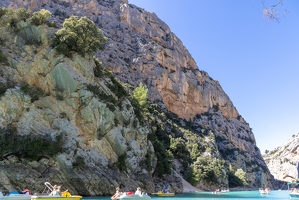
(22, 14)
(233, 180)
(178, 148)
(241, 175)
(3, 11)
(11, 17)
(140, 94)
(41, 16)
(207, 169)
(80, 35)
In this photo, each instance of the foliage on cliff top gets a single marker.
(80, 35)
(11, 17)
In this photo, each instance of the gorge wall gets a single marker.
(283, 161)
(141, 49)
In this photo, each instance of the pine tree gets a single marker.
(140, 94)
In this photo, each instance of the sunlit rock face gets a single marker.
(139, 41)
(283, 160)
(159, 59)
(94, 136)
(141, 48)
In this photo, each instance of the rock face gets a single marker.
(66, 108)
(283, 161)
(141, 48)
(141, 42)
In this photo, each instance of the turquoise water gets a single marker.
(248, 195)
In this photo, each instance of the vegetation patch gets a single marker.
(121, 162)
(207, 169)
(79, 162)
(2, 88)
(34, 93)
(80, 35)
(28, 146)
(147, 163)
(3, 58)
(11, 18)
(107, 98)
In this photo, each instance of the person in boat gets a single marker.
(117, 193)
(25, 191)
(216, 191)
(55, 191)
(165, 189)
(138, 191)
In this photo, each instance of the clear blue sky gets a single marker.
(255, 61)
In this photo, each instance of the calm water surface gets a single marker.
(248, 195)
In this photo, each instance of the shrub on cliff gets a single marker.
(3, 58)
(34, 93)
(242, 176)
(140, 94)
(80, 35)
(28, 146)
(40, 17)
(236, 178)
(10, 17)
(207, 169)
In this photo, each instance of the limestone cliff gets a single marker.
(141, 48)
(283, 160)
(93, 131)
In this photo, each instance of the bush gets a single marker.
(140, 94)
(12, 17)
(80, 35)
(207, 169)
(98, 69)
(3, 11)
(121, 162)
(28, 146)
(109, 99)
(40, 17)
(2, 88)
(118, 88)
(79, 162)
(233, 180)
(52, 24)
(3, 58)
(241, 175)
(137, 110)
(34, 93)
(178, 148)
(22, 14)
(163, 156)
(146, 162)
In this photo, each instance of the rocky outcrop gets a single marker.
(283, 160)
(141, 48)
(140, 41)
(161, 60)
(92, 141)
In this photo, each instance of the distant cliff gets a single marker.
(283, 160)
(190, 122)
